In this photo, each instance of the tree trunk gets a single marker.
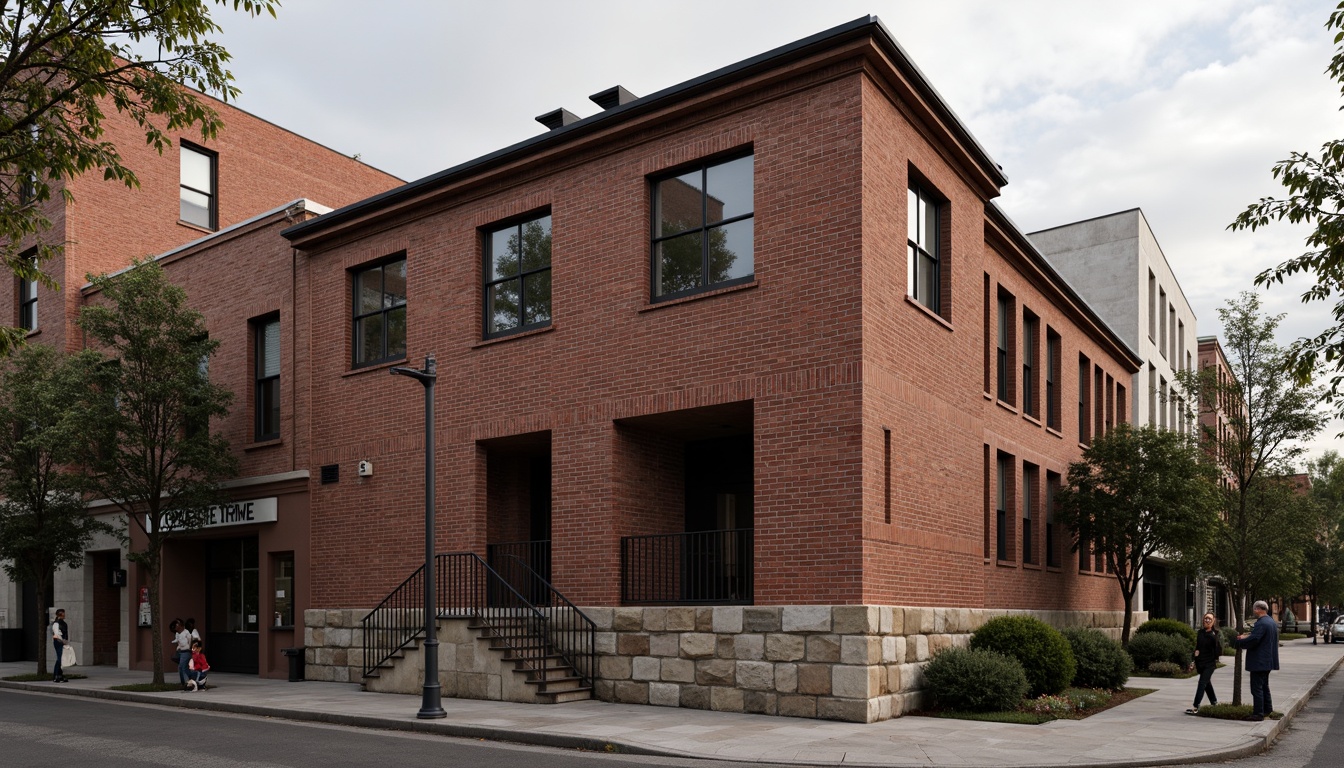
(1237, 612)
(40, 619)
(1129, 615)
(155, 622)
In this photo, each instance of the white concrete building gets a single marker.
(1115, 263)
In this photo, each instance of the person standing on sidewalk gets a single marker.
(1208, 649)
(60, 635)
(1262, 657)
(182, 642)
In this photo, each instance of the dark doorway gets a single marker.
(716, 562)
(233, 603)
(106, 608)
(1155, 590)
(518, 512)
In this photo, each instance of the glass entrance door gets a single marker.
(233, 602)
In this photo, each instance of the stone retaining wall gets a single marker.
(858, 663)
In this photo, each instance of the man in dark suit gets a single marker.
(1262, 656)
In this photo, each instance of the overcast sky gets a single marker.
(1178, 107)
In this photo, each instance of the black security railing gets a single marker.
(536, 555)
(710, 567)
(469, 588)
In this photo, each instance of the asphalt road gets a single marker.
(38, 730)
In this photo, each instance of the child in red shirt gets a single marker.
(197, 667)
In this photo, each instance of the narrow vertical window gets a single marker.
(1162, 321)
(1152, 395)
(1052, 374)
(517, 275)
(1051, 540)
(923, 276)
(28, 300)
(197, 187)
(1152, 307)
(1120, 405)
(266, 403)
(380, 313)
(1084, 393)
(1029, 480)
(886, 473)
(1005, 466)
(1098, 403)
(703, 231)
(1030, 328)
(284, 590)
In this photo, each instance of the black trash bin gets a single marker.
(11, 645)
(296, 661)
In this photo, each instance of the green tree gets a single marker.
(151, 452)
(1323, 560)
(1315, 187)
(1268, 417)
(43, 522)
(67, 64)
(1138, 492)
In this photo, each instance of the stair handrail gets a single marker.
(571, 632)
(387, 628)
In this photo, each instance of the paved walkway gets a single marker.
(1150, 730)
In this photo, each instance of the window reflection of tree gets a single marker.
(525, 299)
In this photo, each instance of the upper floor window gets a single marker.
(518, 277)
(380, 313)
(1007, 344)
(1052, 379)
(266, 367)
(1030, 333)
(1084, 403)
(197, 191)
(923, 270)
(703, 232)
(28, 301)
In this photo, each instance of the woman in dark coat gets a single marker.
(1208, 649)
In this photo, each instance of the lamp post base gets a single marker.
(430, 704)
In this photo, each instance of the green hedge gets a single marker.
(974, 680)
(1169, 627)
(1044, 654)
(1101, 662)
(1149, 647)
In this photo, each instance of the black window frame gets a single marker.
(1052, 378)
(703, 166)
(27, 298)
(356, 316)
(1030, 483)
(1002, 497)
(487, 269)
(265, 386)
(1052, 483)
(916, 251)
(1031, 326)
(212, 194)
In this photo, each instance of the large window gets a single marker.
(1002, 494)
(197, 191)
(1030, 479)
(703, 235)
(518, 277)
(28, 301)
(1051, 539)
(1030, 336)
(380, 313)
(1084, 403)
(266, 367)
(1052, 377)
(1007, 343)
(923, 271)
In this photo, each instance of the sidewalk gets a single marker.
(1150, 730)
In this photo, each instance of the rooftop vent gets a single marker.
(614, 96)
(557, 119)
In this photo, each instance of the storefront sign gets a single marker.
(233, 513)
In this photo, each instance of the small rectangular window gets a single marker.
(284, 590)
(28, 299)
(703, 228)
(517, 277)
(197, 187)
(266, 368)
(923, 270)
(379, 313)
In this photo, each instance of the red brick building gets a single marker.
(690, 373)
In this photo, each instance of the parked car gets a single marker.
(1336, 632)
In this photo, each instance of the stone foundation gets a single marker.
(857, 663)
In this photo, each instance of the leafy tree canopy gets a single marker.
(66, 65)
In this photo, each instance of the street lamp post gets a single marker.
(431, 702)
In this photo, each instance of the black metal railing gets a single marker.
(536, 555)
(712, 567)
(469, 588)
(568, 630)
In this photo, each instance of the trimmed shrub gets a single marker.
(1169, 627)
(1229, 636)
(1164, 669)
(1100, 661)
(974, 680)
(1156, 646)
(1044, 654)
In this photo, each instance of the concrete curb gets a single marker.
(1247, 748)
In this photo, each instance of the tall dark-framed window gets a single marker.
(380, 313)
(1051, 536)
(923, 268)
(1030, 338)
(1007, 341)
(1004, 469)
(1030, 478)
(28, 299)
(1052, 376)
(266, 376)
(517, 277)
(1084, 392)
(199, 177)
(703, 228)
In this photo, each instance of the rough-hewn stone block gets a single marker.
(697, 645)
(762, 619)
(823, 648)
(678, 670)
(786, 678)
(806, 618)
(614, 667)
(632, 644)
(727, 619)
(759, 702)
(716, 672)
(628, 619)
(665, 694)
(860, 649)
(856, 682)
(749, 647)
(724, 699)
(814, 679)
(646, 668)
(665, 644)
(630, 692)
(695, 696)
(780, 647)
(798, 706)
(679, 619)
(855, 619)
(756, 675)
